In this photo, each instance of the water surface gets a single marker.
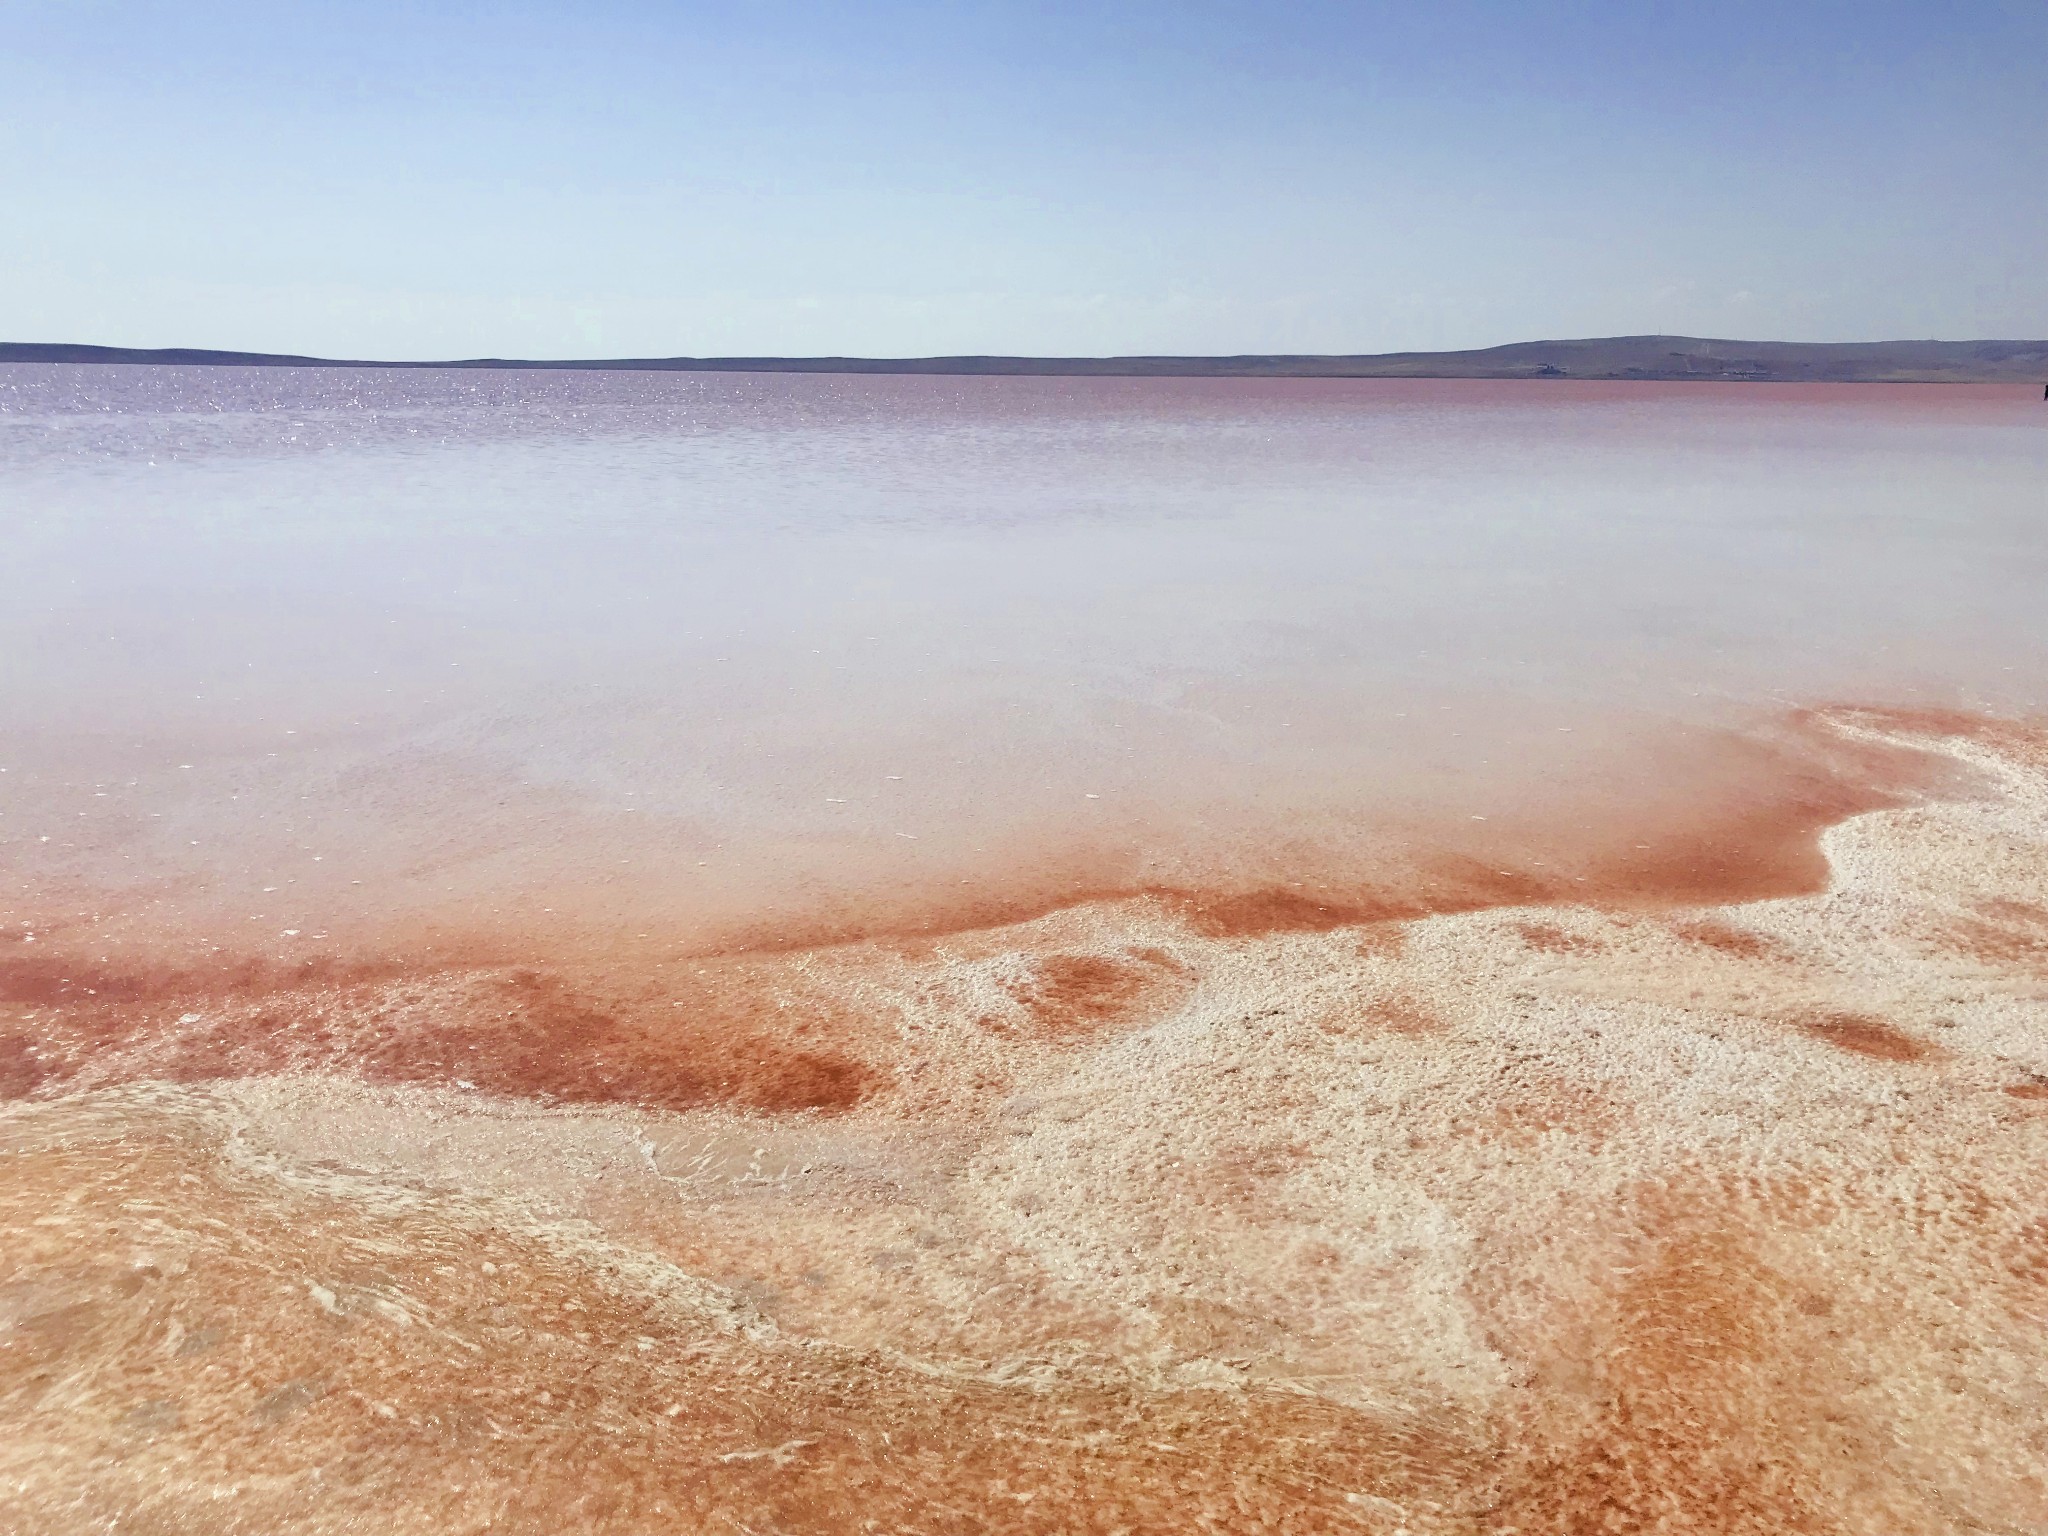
(731, 645)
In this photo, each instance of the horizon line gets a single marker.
(1641, 357)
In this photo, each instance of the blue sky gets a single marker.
(901, 178)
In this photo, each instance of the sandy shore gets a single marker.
(1633, 1207)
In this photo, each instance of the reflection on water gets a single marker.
(822, 634)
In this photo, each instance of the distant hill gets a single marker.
(1613, 357)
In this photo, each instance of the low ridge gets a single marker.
(1614, 357)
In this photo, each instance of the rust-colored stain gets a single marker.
(1863, 1035)
(2027, 1254)
(2006, 934)
(1070, 996)
(1699, 1421)
(1536, 1103)
(1742, 943)
(524, 1033)
(1251, 914)
(1553, 940)
(1404, 1015)
(22, 1068)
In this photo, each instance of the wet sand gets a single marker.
(1224, 1103)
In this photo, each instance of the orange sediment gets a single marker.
(1526, 1186)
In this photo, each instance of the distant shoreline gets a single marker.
(1648, 358)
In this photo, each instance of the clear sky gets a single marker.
(901, 178)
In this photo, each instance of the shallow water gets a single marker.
(822, 638)
(621, 952)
